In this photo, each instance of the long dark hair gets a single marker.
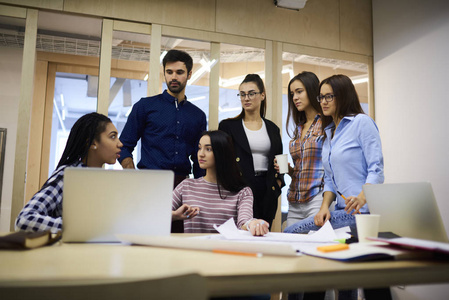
(258, 81)
(311, 84)
(228, 173)
(347, 100)
(85, 130)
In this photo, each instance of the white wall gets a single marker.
(10, 72)
(411, 79)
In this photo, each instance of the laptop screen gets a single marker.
(98, 203)
(407, 209)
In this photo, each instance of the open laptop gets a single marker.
(98, 204)
(407, 209)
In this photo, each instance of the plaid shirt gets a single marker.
(44, 211)
(307, 178)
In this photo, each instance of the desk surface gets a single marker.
(225, 274)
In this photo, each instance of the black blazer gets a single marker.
(234, 128)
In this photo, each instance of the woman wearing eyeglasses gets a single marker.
(256, 142)
(351, 155)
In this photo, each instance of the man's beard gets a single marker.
(176, 89)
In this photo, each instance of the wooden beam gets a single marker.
(155, 64)
(23, 125)
(273, 86)
(371, 100)
(36, 131)
(212, 36)
(276, 97)
(326, 53)
(269, 69)
(214, 88)
(132, 27)
(104, 77)
(14, 12)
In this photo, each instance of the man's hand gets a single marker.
(128, 163)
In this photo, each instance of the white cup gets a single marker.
(282, 160)
(367, 226)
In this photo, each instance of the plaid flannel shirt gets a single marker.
(307, 179)
(44, 210)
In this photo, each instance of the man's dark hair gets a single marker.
(178, 55)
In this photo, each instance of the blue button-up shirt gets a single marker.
(169, 132)
(352, 157)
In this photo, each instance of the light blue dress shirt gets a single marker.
(352, 157)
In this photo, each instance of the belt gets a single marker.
(260, 173)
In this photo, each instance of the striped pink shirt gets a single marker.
(213, 210)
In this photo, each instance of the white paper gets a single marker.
(230, 231)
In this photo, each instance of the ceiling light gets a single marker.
(359, 79)
(129, 111)
(197, 98)
(162, 55)
(290, 4)
(205, 67)
(288, 69)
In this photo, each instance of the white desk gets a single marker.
(224, 274)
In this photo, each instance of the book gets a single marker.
(439, 248)
(358, 252)
(27, 240)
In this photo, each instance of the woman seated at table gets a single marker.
(93, 141)
(218, 196)
(352, 156)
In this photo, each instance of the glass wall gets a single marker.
(236, 63)
(75, 94)
(129, 74)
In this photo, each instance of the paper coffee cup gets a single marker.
(367, 226)
(282, 160)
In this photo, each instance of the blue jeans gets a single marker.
(339, 218)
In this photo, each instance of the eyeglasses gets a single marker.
(250, 95)
(327, 97)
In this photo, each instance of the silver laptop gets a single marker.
(407, 209)
(98, 204)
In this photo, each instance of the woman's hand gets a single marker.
(276, 167)
(322, 216)
(258, 227)
(185, 212)
(354, 204)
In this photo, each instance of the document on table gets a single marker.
(233, 239)
(324, 235)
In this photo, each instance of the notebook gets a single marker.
(98, 204)
(407, 209)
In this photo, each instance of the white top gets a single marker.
(260, 144)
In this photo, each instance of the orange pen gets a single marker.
(357, 211)
(237, 253)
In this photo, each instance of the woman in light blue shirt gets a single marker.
(352, 156)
